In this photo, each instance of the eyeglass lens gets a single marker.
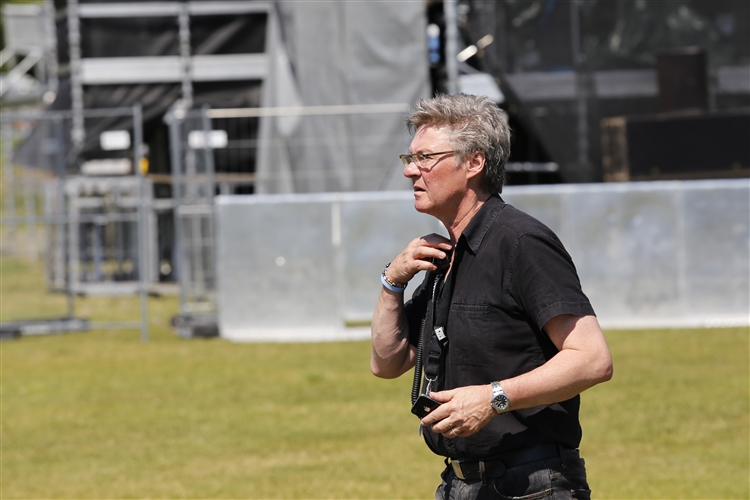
(418, 158)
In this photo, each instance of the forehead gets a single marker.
(429, 137)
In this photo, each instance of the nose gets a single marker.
(411, 170)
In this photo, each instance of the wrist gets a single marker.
(500, 401)
(389, 283)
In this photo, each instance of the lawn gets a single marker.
(103, 415)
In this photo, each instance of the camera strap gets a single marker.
(437, 282)
(439, 337)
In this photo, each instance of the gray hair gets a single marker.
(473, 123)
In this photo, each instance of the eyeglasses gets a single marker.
(420, 158)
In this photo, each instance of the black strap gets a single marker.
(439, 337)
(436, 280)
(442, 307)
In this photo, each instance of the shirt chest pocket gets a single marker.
(470, 310)
(469, 333)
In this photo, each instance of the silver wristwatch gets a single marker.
(500, 401)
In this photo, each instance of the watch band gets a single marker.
(500, 401)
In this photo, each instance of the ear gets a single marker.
(475, 161)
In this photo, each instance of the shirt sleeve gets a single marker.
(544, 281)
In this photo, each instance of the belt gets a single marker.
(473, 471)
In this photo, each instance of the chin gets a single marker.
(422, 203)
(424, 208)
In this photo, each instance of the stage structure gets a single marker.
(30, 53)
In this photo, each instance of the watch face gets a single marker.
(500, 402)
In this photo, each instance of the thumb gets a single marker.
(443, 396)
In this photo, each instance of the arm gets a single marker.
(392, 355)
(584, 360)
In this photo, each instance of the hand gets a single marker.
(416, 257)
(464, 411)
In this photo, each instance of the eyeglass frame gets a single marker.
(406, 159)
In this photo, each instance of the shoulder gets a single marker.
(512, 220)
(522, 237)
(501, 224)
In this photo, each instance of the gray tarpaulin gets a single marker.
(341, 54)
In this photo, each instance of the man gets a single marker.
(508, 339)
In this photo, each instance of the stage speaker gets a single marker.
(676, 146)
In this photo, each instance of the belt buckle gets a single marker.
(477, 471)
(457, 470)
(474, 470)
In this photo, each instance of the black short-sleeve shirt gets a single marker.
(510, 275)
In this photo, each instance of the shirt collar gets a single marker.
(479, 225)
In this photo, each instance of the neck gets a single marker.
(466, 211)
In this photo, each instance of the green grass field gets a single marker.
(104, 415)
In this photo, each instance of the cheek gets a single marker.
(442, 185)
(431, 187)
(435, 180)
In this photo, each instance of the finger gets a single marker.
(443, 396)
(421, 248)
(436, 240)
(428, 254)
(403, 268)
(426, 248)
(451, 433)
(437, 417)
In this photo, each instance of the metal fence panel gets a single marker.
(193, 184)
(624, 244)
(276, 263)
(85, 209)
(214, 150)
(655, 254)
(374, 225)
(717, 266)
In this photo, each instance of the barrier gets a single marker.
(216, 150)
(651, 254)
(94, 231)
